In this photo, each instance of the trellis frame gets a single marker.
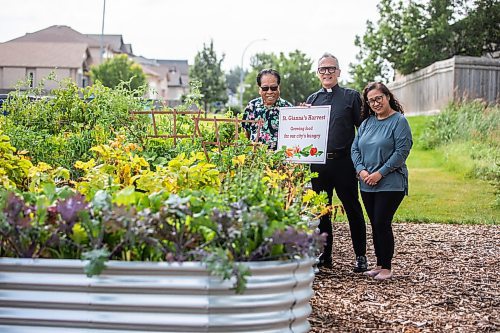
(197, 118)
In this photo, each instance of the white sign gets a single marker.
(303, 133)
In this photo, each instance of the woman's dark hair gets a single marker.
(268, 71)
(366, 111)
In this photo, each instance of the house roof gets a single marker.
(176, 71)
(128, 48)
(65, 34)
(40, 54)
(177, 65)
(150, 71)
(114, 41)
(56, 33)
(145, 61)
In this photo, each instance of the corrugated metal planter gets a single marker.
(46, 295)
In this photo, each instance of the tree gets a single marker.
(479, 32)
(298, 79)
(118, 69)
(233, 79)
(207, 69)
(412, 35)
(370, 65)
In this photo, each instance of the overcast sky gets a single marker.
(177, 29)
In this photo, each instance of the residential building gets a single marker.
(33, 62)
(169, 79)
(178, 79)
(65, 34)
(69, 53)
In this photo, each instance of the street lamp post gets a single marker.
(101, 46)
(241, 71)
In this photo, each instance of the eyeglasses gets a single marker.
(377, 99)
(325, 70)
(273, 88)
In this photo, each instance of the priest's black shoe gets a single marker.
(324, 262)
(361, 264)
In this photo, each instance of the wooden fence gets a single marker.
(430, 89)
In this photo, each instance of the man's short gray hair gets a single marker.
(329, 55)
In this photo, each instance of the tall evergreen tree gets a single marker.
(207, 69)
(233, 79)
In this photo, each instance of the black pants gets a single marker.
(339, 174)
(381, 207)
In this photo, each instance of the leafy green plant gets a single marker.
(61, 129)
(118, 70)
(149, 200)
(14, 168)
(30, 227)
(255, 209)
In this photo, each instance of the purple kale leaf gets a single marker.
(17, 211)
(70, 208)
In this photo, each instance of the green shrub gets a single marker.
(61, 129)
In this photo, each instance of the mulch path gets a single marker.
(446, 278)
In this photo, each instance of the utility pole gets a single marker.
(101, 49)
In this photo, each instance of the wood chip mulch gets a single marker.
(446, 279)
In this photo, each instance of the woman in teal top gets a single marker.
(379, 152)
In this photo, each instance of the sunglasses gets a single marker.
(324, 70)
(273, 88)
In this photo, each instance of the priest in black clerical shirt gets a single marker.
(338, 173)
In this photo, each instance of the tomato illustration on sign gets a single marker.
(304, 152)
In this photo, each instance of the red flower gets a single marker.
(313, 151)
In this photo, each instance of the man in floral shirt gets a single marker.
(266, 109)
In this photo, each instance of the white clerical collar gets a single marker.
(329, 89)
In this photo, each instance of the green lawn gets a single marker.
(440, 192)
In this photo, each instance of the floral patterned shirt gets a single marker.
(256, 110)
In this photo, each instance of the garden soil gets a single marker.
(446, 279)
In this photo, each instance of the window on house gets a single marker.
(30, 75)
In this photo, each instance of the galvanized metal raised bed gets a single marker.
(45, 295)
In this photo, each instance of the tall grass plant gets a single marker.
(467, 135)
